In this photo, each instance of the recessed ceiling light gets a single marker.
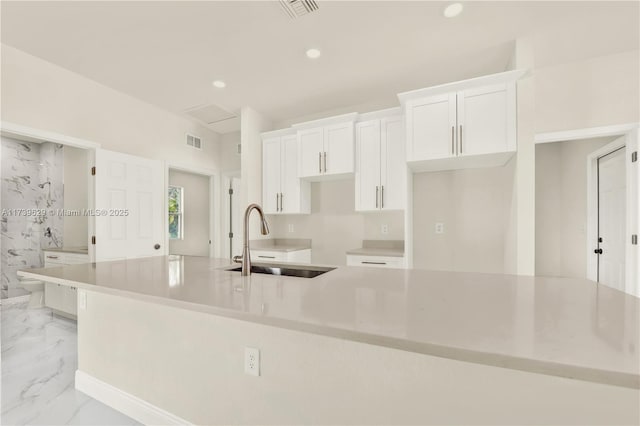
(313, 53)
(219, 84)
(453, 10)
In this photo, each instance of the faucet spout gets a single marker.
(264, 230)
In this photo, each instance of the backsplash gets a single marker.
(32, 180)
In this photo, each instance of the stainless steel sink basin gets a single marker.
(289, 271)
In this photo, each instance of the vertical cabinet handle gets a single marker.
(461, 139)
(319, 162)
(382, 197)
(281, 201)
(377, 197)
(325, 161)
(453, 130)
(277, 202)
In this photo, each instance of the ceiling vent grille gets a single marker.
(297, 8)
(194, 141)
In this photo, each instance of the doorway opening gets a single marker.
(189, 213)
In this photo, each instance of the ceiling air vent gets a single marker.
(194, 141)
(298, 8)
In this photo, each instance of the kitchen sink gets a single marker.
(289, 271)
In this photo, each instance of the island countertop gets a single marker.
(558, 326)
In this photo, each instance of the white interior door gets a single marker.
(612, 219)
(368, 165)
(130, 196)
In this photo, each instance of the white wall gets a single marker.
(561, 207)
(229, 157)
(474, 205)
(334, 226)
(42, 95)
(595, 92)
(196, 219)
(76, 184)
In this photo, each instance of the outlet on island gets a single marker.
(384, 229)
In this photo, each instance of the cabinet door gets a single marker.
(289, 181)
(53, 296)
(431, 127)
(484, 120)
(339, 146)
(393, 170)
(310, 149)
(70, 300)
(367, 165)
(270, 175)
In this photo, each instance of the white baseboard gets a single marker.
(124, 402)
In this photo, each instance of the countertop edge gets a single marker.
(605, 377)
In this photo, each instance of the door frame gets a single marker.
(593, 207)
(215, 248)
(31, 134)
(630, 134)
(224, 216)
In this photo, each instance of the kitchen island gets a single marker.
(162, 339)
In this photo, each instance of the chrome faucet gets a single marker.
(245, 259)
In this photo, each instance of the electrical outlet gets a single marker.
(384, 229)
(252, 361)
(439, 228)
(82, 299)
(291, 227)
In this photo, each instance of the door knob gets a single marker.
(598, 251)
(157, 247)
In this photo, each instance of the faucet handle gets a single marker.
(237, 259)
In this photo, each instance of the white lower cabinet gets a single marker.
(376, 261)
(62, 298)
(297, 256)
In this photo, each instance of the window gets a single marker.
(175, 212)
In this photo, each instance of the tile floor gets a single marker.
(39, 360)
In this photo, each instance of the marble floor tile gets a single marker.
(39, 360)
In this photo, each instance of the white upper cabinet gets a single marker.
(431, 124)
(466, 124)
(380, 165)
(282, 191)
(486, 120)
(327, 148)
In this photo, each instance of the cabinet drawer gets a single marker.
(74, 259)
(375, 261)
(268, 256)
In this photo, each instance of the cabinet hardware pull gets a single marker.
(281, 201)
(319, 162)
(461, 139)
(267, 257)
(376, 197)
(325, 161)
(453, 129)
(52, 257)
(382, 197)
(366, 262)
(277, 202)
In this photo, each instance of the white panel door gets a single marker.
(130, 196)
(612, 219)
(483, 120)
(393, 175)
(289, 181)
(271, 157)
(431, 127)
(367, 165)
(339, 148)
(311, 147)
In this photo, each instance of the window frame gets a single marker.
(179, 214)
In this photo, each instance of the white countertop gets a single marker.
(558, 326)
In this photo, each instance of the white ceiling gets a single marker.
(168, 53)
